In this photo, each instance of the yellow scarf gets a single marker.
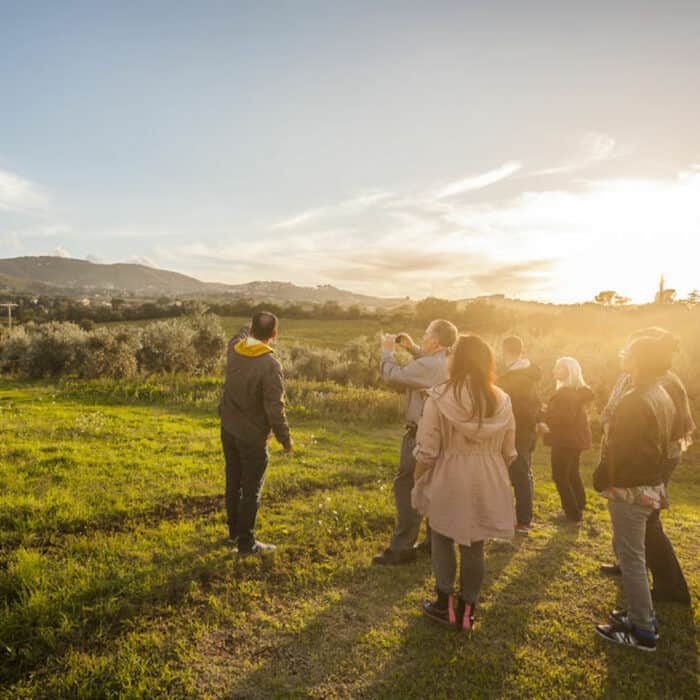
(256, 350)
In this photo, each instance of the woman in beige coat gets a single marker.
(465, 442)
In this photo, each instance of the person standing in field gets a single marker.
(252, 406)
(669, 584)
(631, 476)
(465, 442)
(568, 432)
(519, 381)
(428, 368)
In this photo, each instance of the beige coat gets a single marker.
(466, 494)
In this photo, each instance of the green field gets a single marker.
(116, 579)
(300, 331)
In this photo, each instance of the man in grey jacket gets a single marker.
(427, 369)
(252, 406)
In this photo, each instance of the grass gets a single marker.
(116, 579)
(319, 333)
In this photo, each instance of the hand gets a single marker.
(542, 428)
(405, 341)
(388, 342)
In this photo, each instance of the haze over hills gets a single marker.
(57, 275)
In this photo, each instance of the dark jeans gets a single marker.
(660, 555)
(407, 519)
(245, 475)
(521, 479)
(567, 478)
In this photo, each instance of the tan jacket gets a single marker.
(465, 492)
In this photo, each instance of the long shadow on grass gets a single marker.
(435, 662)
(29, 637)
(332, 648)
(672, 671)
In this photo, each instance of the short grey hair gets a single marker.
(444, 332)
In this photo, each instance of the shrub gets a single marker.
(166, 346)
(209, 342)
(15, 344)
(110, 353)
(54, 349)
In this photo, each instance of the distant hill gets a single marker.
(47, 275)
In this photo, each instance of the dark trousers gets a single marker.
(661, 557)
(407, 519)
(245, 475)
(471, 568)
(521, 479)
(567, 478)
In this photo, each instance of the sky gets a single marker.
(544, 150)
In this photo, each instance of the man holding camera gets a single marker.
(427, 369)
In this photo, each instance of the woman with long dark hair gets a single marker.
(465, 442)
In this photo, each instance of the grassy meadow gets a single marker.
(116, 580)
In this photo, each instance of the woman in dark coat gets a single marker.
(568, 434)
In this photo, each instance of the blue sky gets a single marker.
(396, 148)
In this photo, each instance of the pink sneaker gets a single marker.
(465, 613)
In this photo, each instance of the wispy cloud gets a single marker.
(60, 252)
(19, 194)
(593, 148)
(477, 182)
(350, 206)
(518, 278)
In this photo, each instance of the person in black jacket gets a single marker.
(569, 433)
(252, 405)
(669, 584)
(631, 476)
(519, 381)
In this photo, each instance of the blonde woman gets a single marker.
(569, 433)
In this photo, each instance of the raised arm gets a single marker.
(415, 375)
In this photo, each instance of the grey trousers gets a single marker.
(471, 567)
(629, 523)
(407, 520)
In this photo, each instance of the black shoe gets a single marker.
(610, 569)
(629, 637)
(257, 548)
(441, 610)
(662, 597)
(620, 616)
(391, 557)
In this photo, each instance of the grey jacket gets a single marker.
(252, 404)
(416, 377)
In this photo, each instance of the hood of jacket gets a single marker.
(251, 350)
(523, 370)
(457, 409)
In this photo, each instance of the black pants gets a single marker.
(520, 472)
(567, 478)
(661, 557)
(245, 475)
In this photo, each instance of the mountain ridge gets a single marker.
(52, 274)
